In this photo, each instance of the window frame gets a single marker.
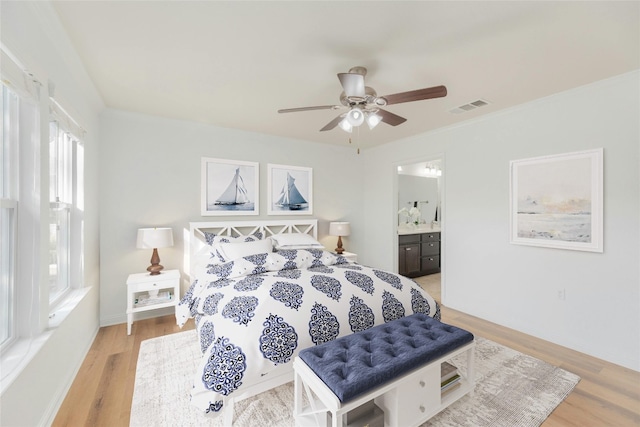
(66, 181)
(10, 133)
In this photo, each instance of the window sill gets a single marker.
(22, 352)
(61, 310)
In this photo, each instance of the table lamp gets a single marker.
(154, 238)
(339, 229)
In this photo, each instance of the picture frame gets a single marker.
(229, 187)
(290, 190)
(556, 201)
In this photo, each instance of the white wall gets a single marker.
(32, 32)
(517, 286)
(150, 176)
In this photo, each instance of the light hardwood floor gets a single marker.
(607, 395)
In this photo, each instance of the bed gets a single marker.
(261, 291)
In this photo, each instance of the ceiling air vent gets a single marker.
(468, 107)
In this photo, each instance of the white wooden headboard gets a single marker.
(236, 228)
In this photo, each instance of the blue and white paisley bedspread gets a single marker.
(254, 314)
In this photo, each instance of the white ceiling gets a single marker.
(234, 64)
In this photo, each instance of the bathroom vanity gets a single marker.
(418, 252)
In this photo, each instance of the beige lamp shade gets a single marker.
(154, 238)
(339, 229)
(150, 238)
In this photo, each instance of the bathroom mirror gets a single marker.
(419, 194)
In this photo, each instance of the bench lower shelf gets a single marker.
(409, 400)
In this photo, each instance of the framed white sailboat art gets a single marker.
(290, 190)
(230, 187)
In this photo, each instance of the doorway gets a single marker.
(418, 198)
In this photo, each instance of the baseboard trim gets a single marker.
(117, 319)
(50, 413)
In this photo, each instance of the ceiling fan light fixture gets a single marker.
(345, 125)
(373, 120)
(364, 104)
(355, 117)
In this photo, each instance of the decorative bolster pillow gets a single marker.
(214, 241)
(295, 241)
(232, 251)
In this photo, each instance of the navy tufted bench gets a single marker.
(369, 364)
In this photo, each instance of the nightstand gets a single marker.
(146, 292)
(350, 256)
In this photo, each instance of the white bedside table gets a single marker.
(146, 292)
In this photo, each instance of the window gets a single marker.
(20, 196)
(8, 213)
(65, 200)
(28, 205)
(60, 201)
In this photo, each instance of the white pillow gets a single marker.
(296, 241)
(231, 251)
(213, 241)
(205, 256)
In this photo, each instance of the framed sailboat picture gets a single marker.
(230, 187)
(290, 190)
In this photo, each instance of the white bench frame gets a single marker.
(398, 398)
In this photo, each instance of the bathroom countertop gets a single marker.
(425, 228)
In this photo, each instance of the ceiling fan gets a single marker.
(364, 103)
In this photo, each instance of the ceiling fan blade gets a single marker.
(416, 95)
(390, 118)
(333, 123)
(353, 84)
(317, 107)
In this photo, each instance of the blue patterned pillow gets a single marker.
(212, 238)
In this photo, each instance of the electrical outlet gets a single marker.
(562, 294)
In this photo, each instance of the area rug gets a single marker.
(512, 389)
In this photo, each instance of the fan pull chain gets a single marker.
(351, 141)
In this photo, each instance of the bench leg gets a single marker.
(317, 408)
(471, 370)
(297, 395)
(336, 420)
(227, 416)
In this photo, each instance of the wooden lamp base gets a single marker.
(339, 249)
(155, 267)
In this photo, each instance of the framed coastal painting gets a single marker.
(557, 201)
(290, 190)
(229, 187)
